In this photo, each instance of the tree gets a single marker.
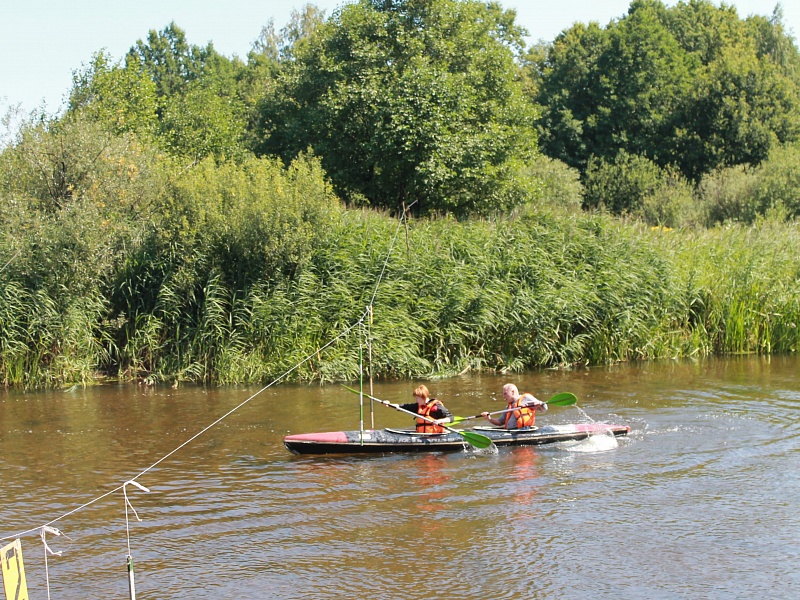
(409, 100)
(691, 86)
(270, 52)
(121, 98)
(644, 76)
(170, 61)
(278, 46)
(568, 86)
(774, 44)
(738, 111)
(202, 122)
(616, 88)
(202, 95)
(703, 29)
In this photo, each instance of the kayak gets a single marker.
(375, 441)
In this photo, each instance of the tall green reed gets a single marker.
(243, 272)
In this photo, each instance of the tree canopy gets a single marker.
(409, 100)
(691, 85)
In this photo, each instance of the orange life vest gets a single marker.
(525, 416)
(424, 426)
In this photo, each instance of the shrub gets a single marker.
(560, 183)
(671, 205)
(779, 181)
(729, 195)
(621, 185)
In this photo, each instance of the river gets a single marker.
(701, 500)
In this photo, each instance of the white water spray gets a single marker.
(601, 441)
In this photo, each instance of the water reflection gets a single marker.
(525, 472)
(432, 473)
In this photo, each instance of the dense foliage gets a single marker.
(405, 101)
(196, 218)
(139, 268)
(692, 86)
(433, 103)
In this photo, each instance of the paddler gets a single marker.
(521, 409)
(425, 406)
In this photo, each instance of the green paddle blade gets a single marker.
(349, 389)
(474, 439)
(563, 399)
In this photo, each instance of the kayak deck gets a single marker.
(394, 440)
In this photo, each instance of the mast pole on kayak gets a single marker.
(369, 366)
(361, 384)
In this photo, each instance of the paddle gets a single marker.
(474, 439)
(562, 399)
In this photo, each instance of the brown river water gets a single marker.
(701, 500)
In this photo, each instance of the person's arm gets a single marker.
(440, 413)
(533, 402)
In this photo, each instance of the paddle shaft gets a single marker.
(497, 412)
(508, 410)
(401, 409)
(562, 399)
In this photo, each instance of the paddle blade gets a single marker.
(365, 394)
(475, 439)
(563, 399)
(457, 420)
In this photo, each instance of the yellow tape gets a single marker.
(13, 571)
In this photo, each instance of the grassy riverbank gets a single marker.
(237, 274)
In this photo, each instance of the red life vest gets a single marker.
(425, 410)
(525, 416)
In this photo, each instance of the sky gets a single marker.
(42, 42)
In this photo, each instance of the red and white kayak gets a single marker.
(405, 440)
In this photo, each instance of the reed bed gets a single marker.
(241, 283)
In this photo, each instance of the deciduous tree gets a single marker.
(691, 85)
(409, 100)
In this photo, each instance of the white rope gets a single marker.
(128, 504)
(47, 549)
(389, 253)
(45, 531)
(191, 439)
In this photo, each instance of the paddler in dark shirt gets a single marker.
(523, 409)
(429, 407)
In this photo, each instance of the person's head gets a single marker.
(421, 394)
(510, 392)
